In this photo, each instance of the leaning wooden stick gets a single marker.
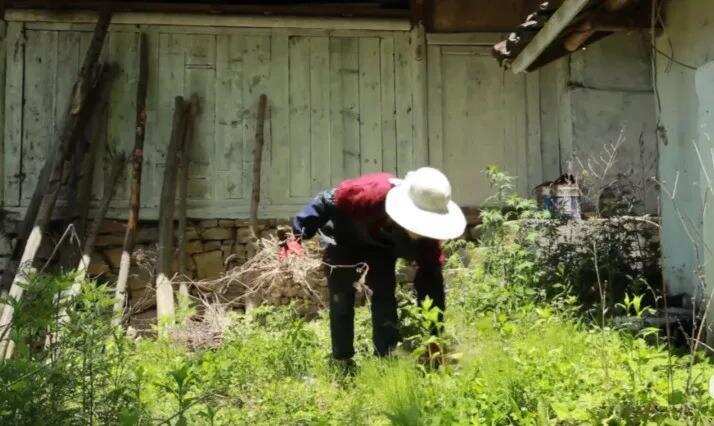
(137, 157)
(109, 190)
(49, 184)
(250, 302)
(165, 306)
(257, 164)
(182, 193)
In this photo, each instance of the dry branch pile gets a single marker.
(268, 280)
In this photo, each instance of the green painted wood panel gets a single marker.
(256, 81)
(320, 141)
(39, 109)
(12, 143)
(403, 105)
(279, 104)
(300, 117)
(370, 111)
(477, 117)
(350, 108)
(229, 142)
(339, 104)
(199, 80)
(387, 101)
(122, 49)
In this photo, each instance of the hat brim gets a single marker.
(439, 226)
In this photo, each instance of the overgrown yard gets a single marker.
(522, 345)
(523, 360)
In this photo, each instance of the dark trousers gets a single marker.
(382, 281)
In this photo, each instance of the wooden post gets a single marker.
(250, 302)
(51, 177)
(182, 193)
(257, 164)
(109, 190)
(164, 292)
(137, 157)
(86, 82)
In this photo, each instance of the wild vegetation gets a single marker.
(519, 347)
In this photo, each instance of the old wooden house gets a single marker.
(376, 85)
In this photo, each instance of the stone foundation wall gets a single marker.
(212, 247)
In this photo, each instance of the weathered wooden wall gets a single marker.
(340, 104)
(343, 101)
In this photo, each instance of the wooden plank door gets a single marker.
(477, 116)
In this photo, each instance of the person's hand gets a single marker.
(290, 246)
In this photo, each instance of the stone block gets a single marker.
(211, 245)
(147, 235)
(269, 233)
(210, 223)
(113, 256)
(218, 233)
(112, 227)
(226, 223)
(190, 263)
(109, 240)
(251, 249)
(5, 245)
(227, 248)
(191, 233)
(209, 265)
(97, 266)
(194, 246)
(244, 235)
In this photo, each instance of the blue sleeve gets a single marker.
(314, 215)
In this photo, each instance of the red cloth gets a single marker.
(290, 247)
(363, 198)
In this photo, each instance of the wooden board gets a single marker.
(14, 86)
(479, 116)
(340, 103)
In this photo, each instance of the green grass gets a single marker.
(523, 360)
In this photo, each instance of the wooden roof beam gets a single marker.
(327, 9)
(551, 30)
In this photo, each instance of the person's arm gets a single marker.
(314, 215)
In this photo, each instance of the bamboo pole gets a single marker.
(48, 186)
(165, 306)
(135, 188)
(183, 195)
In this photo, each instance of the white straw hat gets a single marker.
(421, 203)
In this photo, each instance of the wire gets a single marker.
(680, 63)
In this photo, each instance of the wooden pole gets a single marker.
(51, 177)
(109, 190)
(257, 164)
(182, 193)
(86, 81)
(250, 302)
(135, 188)
(165, 307)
